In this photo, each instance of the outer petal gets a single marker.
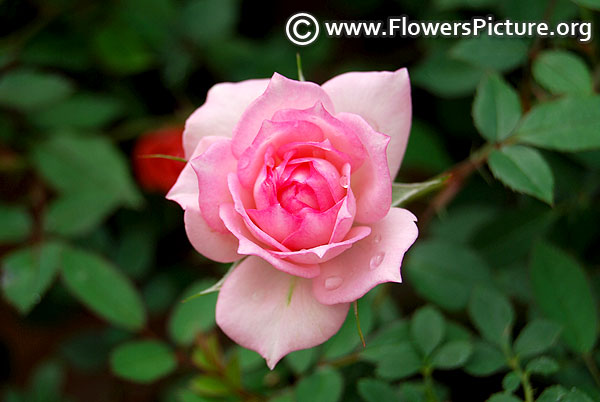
(212, 168)
(273, 313)
(371, 261)
(383, 100)
(371, 183)
(235, 224)
(185, 190)
(282, 93)
(326, 252)
(221, 247)
(224, 106)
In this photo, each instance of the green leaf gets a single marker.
(445, 273)
(27, 89)
(445, 76)
(554, 393)
(16, 224)
(511, 382)
(593, 4)
(301, 360)
(66, 216)
(347, 339)
(207, 21)
(46, 382)
(71, 164)
(562, 72)
(562, 291)
(427, 329)
(543, 365)
(569, 124)
(193, 316)
(523, 169)
(496, 108)
(103, 288)
(462, 222)
(142, 361)
(576, 395)
(452, 355)
(492, 314)
(28, 273)
(536, 338)
(559, 393)
(425, 150)
(491, 52)
(372, 390)
(503, 397)
(510, 235)
(395, 360)
(80, 111)
(322, 386)
(210, 386)
(121, 49)
(403, 193)
(485, 360)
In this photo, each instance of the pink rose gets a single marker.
(298, 177)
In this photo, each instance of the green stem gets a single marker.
(515, 365)
(592, 368)
(299, 65)
(360, 333)
(428, 382)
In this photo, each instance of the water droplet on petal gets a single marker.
(344, 181)
(376, 238)
(333, 282)
(256, 296)
(376, 260)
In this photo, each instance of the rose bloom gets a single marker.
(157, 174)
(297, 178)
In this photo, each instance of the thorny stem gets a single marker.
(457, 177)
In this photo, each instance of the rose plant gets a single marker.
(296, 179)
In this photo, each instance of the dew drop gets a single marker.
(255, 296)
(376, 238)
(344, 181)
(333, 282)
(376, 260)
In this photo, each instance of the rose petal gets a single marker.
(212, 168)
(221, 247)
(343, 138)
(375, 259)
(383, 100)
(242, 202)
(274, 313)
(248, 246)
(273, 135)
(224, 106)
(185, 190)
(282, 93)
(326, 252)
(279, 222)
(315, 229)
(371, 183)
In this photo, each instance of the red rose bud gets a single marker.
(157, 173)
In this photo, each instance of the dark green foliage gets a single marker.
(100, 285)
